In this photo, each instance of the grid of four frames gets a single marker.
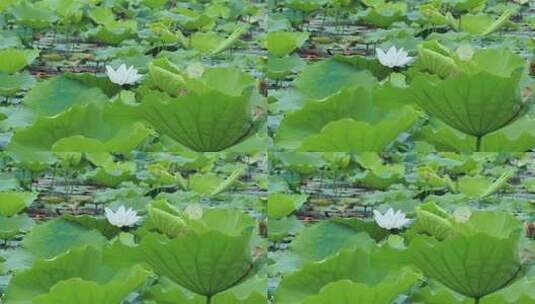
(267, 151)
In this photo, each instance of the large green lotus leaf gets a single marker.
(282, 43)
(439, 60)
(465, 103)
(384, 14)
(302, 163)
(361, 266)
(78, 276)
(439, 295)
(205, 263)
(372, 65)
(12, 202)
(324, 239)
(480, 186)
(473, 265)
(11, 84)
(497, 224)
(83, 292)
(349, 135)
(169, 78)
(114, 32)
(278, 229)
(193, 20)
(13, 225)
(231, 222)
(485, 60)
(519, 292)
(466, 5)
(17, 117)
(281, 204)
(229, 298)
(228, 80)
(370, 227)
(252, 291)
(380, 176)
(211, 184)
(70, 11)
(7, 3)
(113, 174)
(168, 292)
(306, 6)
(206, 42)
(445, 138)
(57, 94)
(90, 222)
(35, 17)
(204, 183)
(516, 137)
(101, 82)
(57, 236)
(101, 15)
(14, 60)
(209, 121)
(347, 292)
(323, 125)
(83, 128)
(279, 68)
(483, 24)
(319, 80)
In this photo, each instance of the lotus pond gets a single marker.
(267, 151)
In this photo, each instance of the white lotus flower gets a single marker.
(123, 75)
(393, 57)
(390, 220)
(122, 217)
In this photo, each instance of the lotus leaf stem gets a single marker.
(478, 143)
